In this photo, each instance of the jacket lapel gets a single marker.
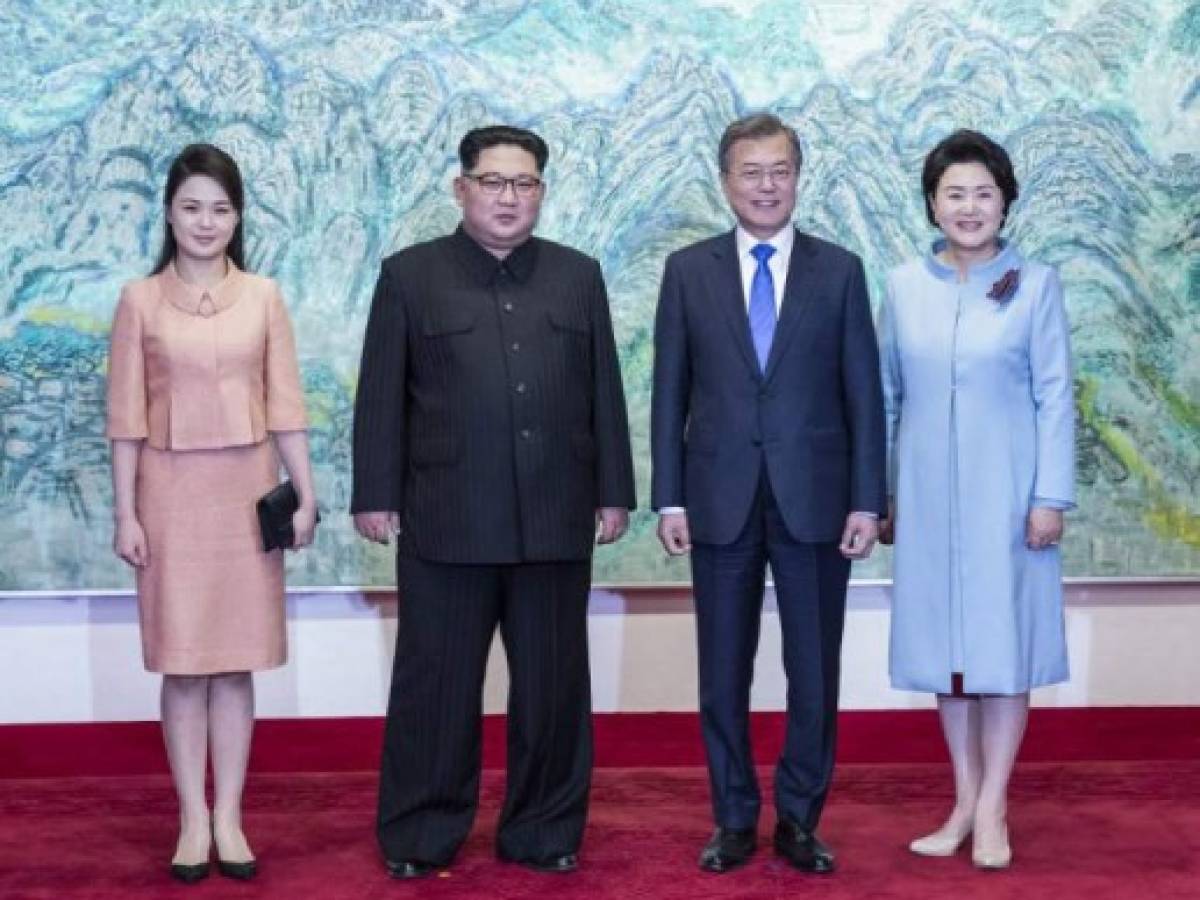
(793, 308)
(727, 288)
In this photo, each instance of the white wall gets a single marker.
(67, 658)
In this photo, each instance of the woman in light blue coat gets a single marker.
(977, 386)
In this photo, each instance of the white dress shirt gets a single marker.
(778, 263)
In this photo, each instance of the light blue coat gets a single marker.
(980, 428)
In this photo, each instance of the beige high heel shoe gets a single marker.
(943, 842)
(998, 856)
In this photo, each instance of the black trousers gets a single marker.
(810, 589)
(429, 778)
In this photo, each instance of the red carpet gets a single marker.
(1099, 831)
(1085, 827)
(622, 739)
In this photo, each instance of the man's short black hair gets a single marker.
(966, 146)
(477, 140)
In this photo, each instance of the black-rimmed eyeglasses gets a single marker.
(494, 183)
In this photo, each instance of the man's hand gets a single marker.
(673, 533)
(611, 522)
(1044, 528)
(377, 526)
(887, 525)
(859, 536)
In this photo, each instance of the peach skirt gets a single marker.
(211, 600)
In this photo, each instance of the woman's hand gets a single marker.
(129, 542)
(1044, 528)
(304, 525)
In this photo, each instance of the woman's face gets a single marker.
(202, 218)
(968, 207)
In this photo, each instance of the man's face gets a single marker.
(760, 184)
(500, 220)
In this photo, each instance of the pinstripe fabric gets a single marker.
(490, 412)
(429, 781)
(490, 415)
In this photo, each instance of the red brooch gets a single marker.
(1003, 289)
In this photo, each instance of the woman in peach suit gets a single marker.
(202, 371)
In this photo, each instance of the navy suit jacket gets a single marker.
(814, 418)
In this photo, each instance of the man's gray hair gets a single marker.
(753, 126)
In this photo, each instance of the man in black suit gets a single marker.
(490, 436)
(767, 435)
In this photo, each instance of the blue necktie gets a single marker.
(762, 304)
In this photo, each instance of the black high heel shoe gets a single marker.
(242, 871)
(191, 873)
(239, 871)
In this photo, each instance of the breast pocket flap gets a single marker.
(569, 320)
(452, 320)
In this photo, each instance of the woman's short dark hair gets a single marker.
(753, 127)
(966, 146)
(477, 140)
(215, 163)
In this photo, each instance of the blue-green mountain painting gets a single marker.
(345, 116)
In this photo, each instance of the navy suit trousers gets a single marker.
(810, 589)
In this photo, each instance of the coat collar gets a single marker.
(1007, 257)
(200, 301)
(483, 266)
(731, 297)
(793, 308)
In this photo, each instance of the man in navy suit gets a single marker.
(767, 435)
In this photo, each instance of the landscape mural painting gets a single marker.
(345, 117)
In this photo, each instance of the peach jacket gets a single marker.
(195, 369)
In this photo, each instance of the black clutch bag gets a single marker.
(275, 510)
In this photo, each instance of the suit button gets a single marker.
(508, 307)
(520, 388)
(757, 442)
(526, 434)
(515, 346)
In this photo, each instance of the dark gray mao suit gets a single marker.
(490, 416)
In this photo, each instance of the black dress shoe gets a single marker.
(189, 874)
(728, 848)
(802, 848)
(241, 871)
(408, 868)
(560, 864)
